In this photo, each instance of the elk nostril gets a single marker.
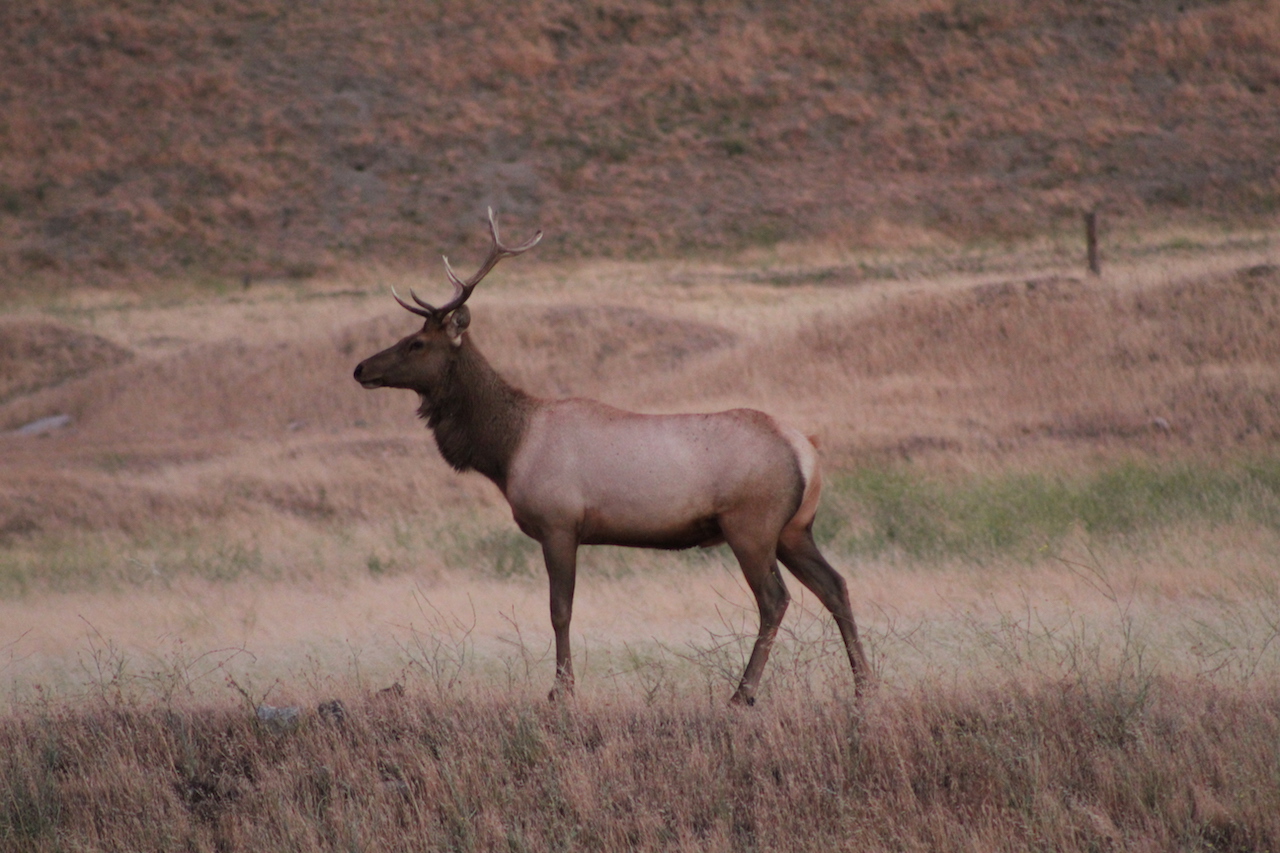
(359, 370)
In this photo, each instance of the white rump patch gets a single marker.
(806, 455)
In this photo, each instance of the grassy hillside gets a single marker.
(276, 139)
(960, 416)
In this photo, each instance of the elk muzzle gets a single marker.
(366, 377)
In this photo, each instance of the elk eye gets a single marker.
(417, 346)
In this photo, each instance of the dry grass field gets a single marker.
(1056, 499)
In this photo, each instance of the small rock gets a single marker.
(280, 719)
(1161, 424)
(44, 426)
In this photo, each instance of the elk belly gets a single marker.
(598, 529)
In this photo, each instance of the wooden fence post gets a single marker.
(1091, 240)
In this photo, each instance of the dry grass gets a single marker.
(1072, 606)
(1055, 497)
(1192, 606)
(1118, 704)
(1104, 761)
(38, 355)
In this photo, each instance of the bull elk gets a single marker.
(578, 472)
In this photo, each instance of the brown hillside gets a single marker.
(265, 138)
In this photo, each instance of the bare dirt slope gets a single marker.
(274, 139)
(244, 408)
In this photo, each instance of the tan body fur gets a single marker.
(659, 481)
(578, 472)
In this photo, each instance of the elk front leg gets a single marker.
(561, 556)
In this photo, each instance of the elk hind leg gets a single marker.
(800, 554)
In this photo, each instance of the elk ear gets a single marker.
(456, 323)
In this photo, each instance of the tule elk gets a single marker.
(578, 472)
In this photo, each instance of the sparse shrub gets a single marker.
(31, 802)
(378, 565)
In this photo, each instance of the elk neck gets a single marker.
(477, 417)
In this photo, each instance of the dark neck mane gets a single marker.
(478, 419)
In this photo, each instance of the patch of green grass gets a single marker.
(69, 562)
(503, 552)
(220, 561)
(872, 511)
(53, 563)
(113, 463)
(885, 510)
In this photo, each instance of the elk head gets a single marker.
(419, 360)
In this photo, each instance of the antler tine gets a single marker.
(418, 299)
(428, 313)
(458, 284)
(462, 289)
(508, 251)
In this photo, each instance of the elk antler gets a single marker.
(462, 289)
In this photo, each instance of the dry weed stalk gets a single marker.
(442, 647)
